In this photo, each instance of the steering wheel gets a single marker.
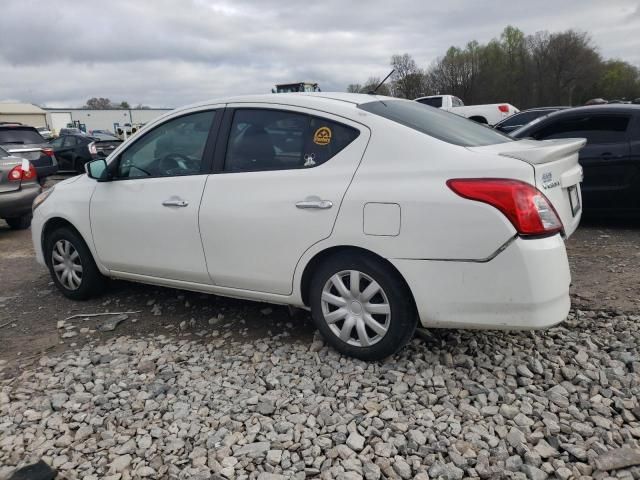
(177, 161)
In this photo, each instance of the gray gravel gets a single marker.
(563, 403)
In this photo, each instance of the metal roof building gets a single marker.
(23, 113)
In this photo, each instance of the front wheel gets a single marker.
(71, 265)
(362, 306)
(19, 223)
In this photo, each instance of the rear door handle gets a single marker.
(175, 202)
(318, 204)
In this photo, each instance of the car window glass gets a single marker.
(20, 135)
(3, 153)
(173, 148)
(279, 140)
(432, 102)
(69, 141)
(522, 118)
(436, 123)
(595, 128)
(57, 143)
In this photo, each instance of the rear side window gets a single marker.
(439, 124)
(20, 136)
(595, 128)
(262, 139)
(432, 102)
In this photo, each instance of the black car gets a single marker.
(523, 117)
(73, 151)
(25, 141)
(610, 159)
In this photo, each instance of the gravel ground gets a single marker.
(196, 386)
(563, 403)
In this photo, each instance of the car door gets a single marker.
(605, 159)
(145, 220)
(283, 172)
(62, 149)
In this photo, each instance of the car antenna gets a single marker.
(373, 92)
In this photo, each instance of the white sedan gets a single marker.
(374, 213)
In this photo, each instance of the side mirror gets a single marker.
(97, 170)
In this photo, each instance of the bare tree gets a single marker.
(408, 81)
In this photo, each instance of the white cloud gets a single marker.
(167, 53)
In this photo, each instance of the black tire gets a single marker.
(92, 281)
(19, 223)
(402, 319)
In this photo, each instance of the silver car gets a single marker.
(18, 188)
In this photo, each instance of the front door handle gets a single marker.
(175, 202)
(318, 204)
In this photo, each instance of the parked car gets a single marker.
(97, 132)
(70, 131)
(73, 151)
(45, 132)
(489, 114)
(18, 188)
(523, 117)
(611, 158)
(370, 211)
(24, 141)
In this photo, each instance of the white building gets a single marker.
(110, 119)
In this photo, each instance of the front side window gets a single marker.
(263, 139)
(69, 141)
(595, 128)
(57, 143)
(522, 118)
(436, 123)
(174, 148)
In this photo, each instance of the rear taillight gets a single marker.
(92, 148)
(22, 172)
(48, 152)
(525, 206)
(503, 108)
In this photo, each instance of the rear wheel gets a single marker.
(19, 223)
(362, 307)
(71, 265)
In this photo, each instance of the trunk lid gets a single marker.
(556, 169)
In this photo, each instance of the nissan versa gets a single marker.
(375, 213)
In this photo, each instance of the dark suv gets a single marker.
(611, 158)
(24, 141)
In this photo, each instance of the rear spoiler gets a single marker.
(547, 150)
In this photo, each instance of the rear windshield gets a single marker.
(439, 124)
(432, 102)
(20, 136)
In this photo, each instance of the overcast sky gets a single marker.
(170, 53)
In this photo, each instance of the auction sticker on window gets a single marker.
(322, 136)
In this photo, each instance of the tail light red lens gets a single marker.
(26, 171)
(525, 206)
(48, 152)
(503, 108)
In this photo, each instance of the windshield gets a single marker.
(436, 123)
(20, 136)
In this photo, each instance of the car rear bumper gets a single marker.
(18, 202)
(526, 286)
(46, 171)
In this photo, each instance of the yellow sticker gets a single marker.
(322, 136)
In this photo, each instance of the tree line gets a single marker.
(562, 68)
(101, 103)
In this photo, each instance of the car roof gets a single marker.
(605, 108)
(311, 99)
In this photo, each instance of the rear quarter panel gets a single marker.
(408, 168)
